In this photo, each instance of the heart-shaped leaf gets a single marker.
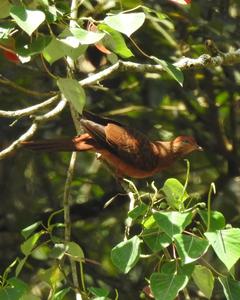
(226, 244)
(28, 20)
(125, 23)
(126, 254)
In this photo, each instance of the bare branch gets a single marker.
(33, 128)
(184, 63)
(15, 86)
(29, 110)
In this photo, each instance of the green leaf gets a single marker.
(20, 265)
(172, 222)
(231, 288)
(29, 244)
(114, 41)
(155, 239)
(175, 193)
(167, 286)
(150, 223)
(15, 289)
(61, 294)
(126, 254)
(5, 7)
(138, 211)
(52, 275)
(190, 248)
(173, 71)
(86, 37)
(54, 51)
(41, 252)
(204, 280)
(125, 23)
(226, 244)
(57, 49)
(28, 20)
(75, 251)
(36, 46)
(30, 296)
(73, 92)
(27, 231)
(58, 251)
(99, 292)
(217, 220)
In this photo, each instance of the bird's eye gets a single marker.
(185, 142)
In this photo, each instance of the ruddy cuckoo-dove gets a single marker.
(129, 152)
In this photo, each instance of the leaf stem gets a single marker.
(211, 190)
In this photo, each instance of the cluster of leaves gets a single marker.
(176, 235)
(179, 236)
(69, 40)
(43, 243)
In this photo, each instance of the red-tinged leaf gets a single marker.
(102, 48)
(11, 56)
(182, 2)
(147, 290)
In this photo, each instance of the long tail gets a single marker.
(80, 143)
(50, 145)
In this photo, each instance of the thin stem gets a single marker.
(24, 90)
(211, 190)
(129, 220)
(70, 69)
(66, 197)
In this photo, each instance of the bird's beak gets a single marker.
(199, 148)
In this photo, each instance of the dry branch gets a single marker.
(33, 128)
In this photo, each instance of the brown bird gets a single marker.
(129, 152)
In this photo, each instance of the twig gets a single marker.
(129, 220)
(29, 110)
(15, 86)
(67, 221)
(33, 128)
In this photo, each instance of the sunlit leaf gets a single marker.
(175, 193)
(27, 231)
(172, 222)
(226, 244)
(126, 23)
(28, 20)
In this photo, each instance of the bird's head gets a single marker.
(183, 145)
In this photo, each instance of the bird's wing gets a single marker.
(132, 146)
(129, 145)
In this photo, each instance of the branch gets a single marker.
(15, 86)
(33, 128)
(184, 63)
(29, 110)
